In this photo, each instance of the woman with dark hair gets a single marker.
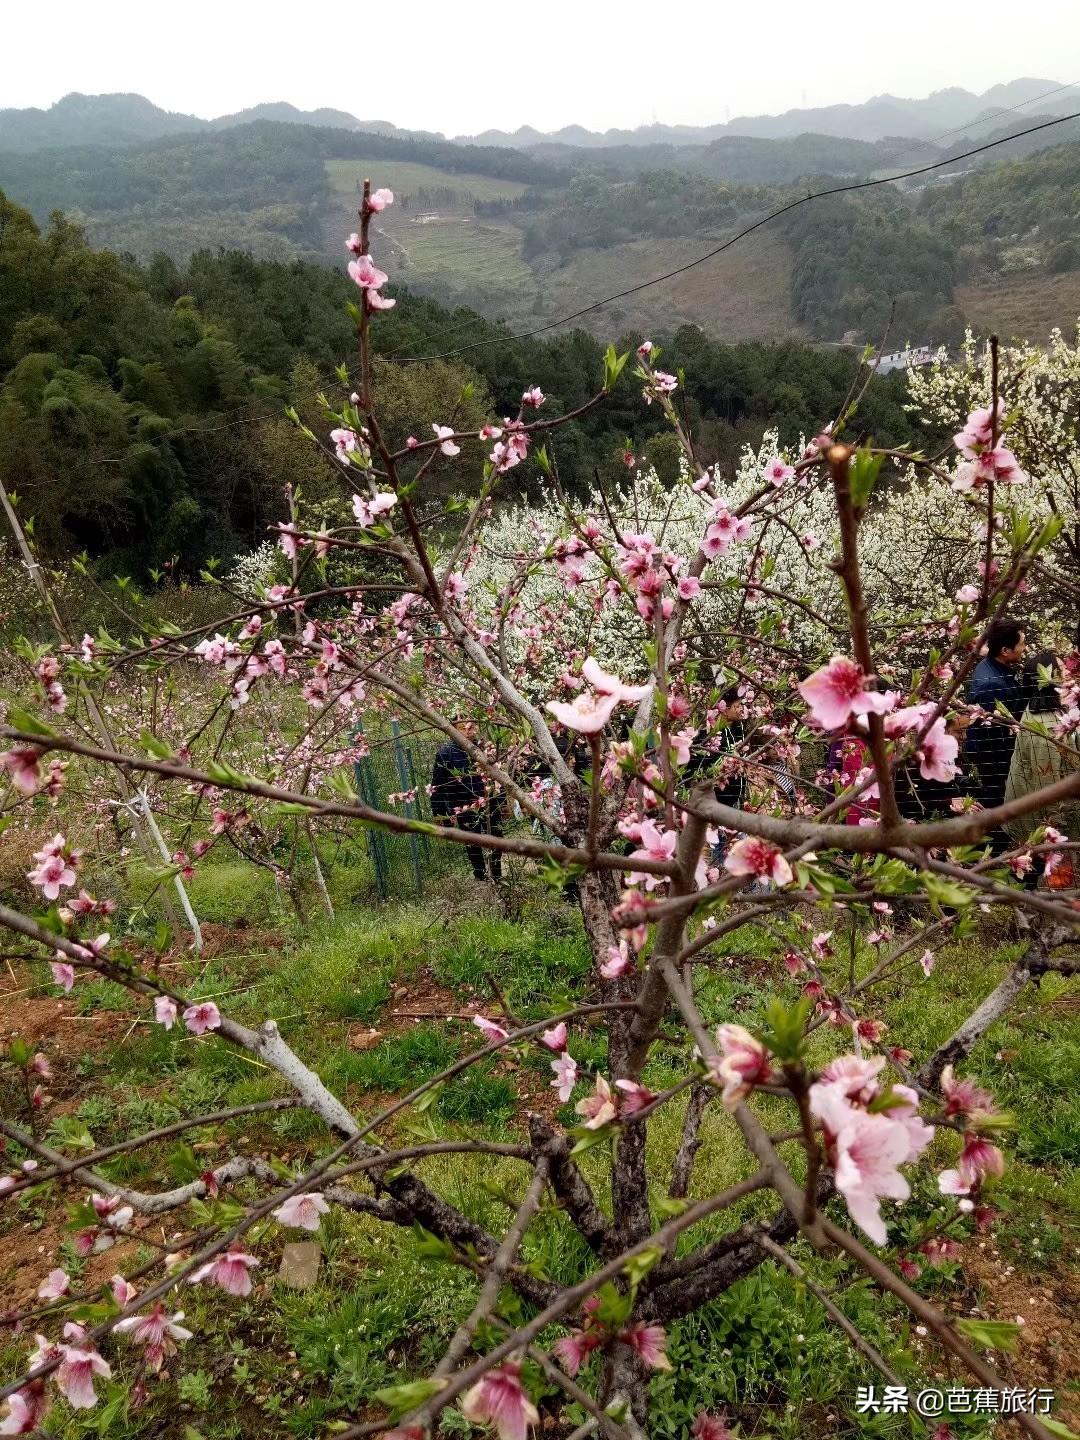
(1044, 753)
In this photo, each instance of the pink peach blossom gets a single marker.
(22, 766)
(202, 1016)
(157, 1331)
(445, 435)
(490, 1030)
(597, 1109)
(364, 272)
(123, 1293)
(555, 1038)
(618, 961)
(302, 1212)
(566, 1074)
(75, 1376)
(165, 1009)
(776, 472)
(573, 1350)
(55, 1284)
(754, 856)
(743, 1062)
(606, 684)
(838, 691)
(27, 1408)
(650, 1343)
(978, 430)
(587, 713)
(230, 1271)
(710, 1427)
(498, 1399)
(63, 974)
(635, 1097)
(937, 753)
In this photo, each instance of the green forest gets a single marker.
(142, 405)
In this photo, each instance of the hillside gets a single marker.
(526, 236)
(116, 377)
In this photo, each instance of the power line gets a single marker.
(670, 274)
(1005, 110)
(742, 234)
(985, 119)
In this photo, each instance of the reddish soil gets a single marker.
(1049, 1304)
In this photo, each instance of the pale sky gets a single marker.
(461, 66)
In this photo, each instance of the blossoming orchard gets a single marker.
(704, 709)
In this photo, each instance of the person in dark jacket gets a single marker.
(918, 798)
(990, 743)
(458, 795)
(705, 759)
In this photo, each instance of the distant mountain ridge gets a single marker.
(882, 117)
(126, 119)
(114, 120)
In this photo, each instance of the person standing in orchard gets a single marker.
(458, 795)
(990, 742)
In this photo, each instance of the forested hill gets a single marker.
(121, 119)
(142, 406)
(527, 236)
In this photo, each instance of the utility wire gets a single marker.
(742, 234)
(668, 274)
(1005, 110)
(916, 143)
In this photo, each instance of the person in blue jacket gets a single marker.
(990, 743)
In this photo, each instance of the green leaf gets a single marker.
(590, 1139)
(887, 1100)
(784, 1035)
(223, 774)
(432, 1247)
(399, 1398)
(425, 1101)
(155, 747)
(67, 1133)
(990, 1334)
(614, 1308)
(1057, 1428)
(19, 1051)
(638, 1266)
(943, 891)
(29, 724)
(613, 366)
(182, 1163)
(864, 472)
(90, 1312)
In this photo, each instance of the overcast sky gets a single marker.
(460, 66)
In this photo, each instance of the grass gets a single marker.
(381, 1311)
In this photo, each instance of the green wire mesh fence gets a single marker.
(400, 765)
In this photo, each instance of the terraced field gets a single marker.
(406, 178)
